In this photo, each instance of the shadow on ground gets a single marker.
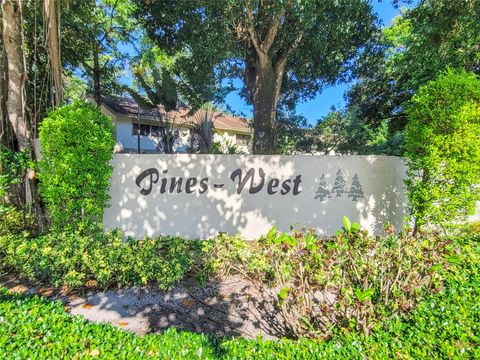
(230, 306)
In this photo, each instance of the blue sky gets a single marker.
(332, 96)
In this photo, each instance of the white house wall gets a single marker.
(128, 141)
(229, 138)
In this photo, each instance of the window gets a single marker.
(135, 129)
(146, 130)
(242, 139)
(155, 131)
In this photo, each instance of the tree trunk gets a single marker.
(97, 93)
(6, 132)
(53, 41)
(265, 100)
(15, 72)
(12, 42)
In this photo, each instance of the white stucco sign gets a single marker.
(198, 196)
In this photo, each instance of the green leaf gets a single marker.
(355, 227)
(364, 295)
(347, 224)
(282, 295)
(272, 234)
(436, 267)
(453, 259)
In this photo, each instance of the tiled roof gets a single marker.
(221, 121)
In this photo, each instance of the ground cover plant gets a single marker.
(444, 325)
(103, 260)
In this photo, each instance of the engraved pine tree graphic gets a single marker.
(356, 191)
(322, 192)
(339, 187)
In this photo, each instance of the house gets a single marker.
(138, 129)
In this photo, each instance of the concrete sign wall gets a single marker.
(198, 196)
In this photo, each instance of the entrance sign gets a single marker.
(198, 196)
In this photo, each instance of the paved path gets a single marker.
(230, 306)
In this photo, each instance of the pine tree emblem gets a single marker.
(339, 187)
(356, 191)
(322, 191)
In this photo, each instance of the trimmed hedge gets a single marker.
(77, 145)
(103, 260)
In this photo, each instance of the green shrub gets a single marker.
(371, 279)
(77, 145)
(103, 260)
(443, 149)
(14, 221)
(227, 254)
(352, 281)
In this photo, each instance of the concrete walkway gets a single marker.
(230, 306)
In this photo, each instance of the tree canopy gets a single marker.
(284, 50)
(415, 49)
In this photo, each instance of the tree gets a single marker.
(160, 96)
(356, 191)
(284, 50)
(202, 132)
(294, 134)
(12, 43)
(7, 137)
(53, 47)
(95, 30)
(443, 149)
(160, 85)
(344, 132)
(12, 20)
(415, 49)
(340, 186)
(322, 192)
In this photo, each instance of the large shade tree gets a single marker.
(419, 45)
(285, 50)
(15, 72)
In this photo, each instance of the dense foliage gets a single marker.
(351, 281)
(15, 221)
(443, 148)
(77, 145)
(283, 50)
(13, 167)
(419, 44)
(103, 260)
(445, 325)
